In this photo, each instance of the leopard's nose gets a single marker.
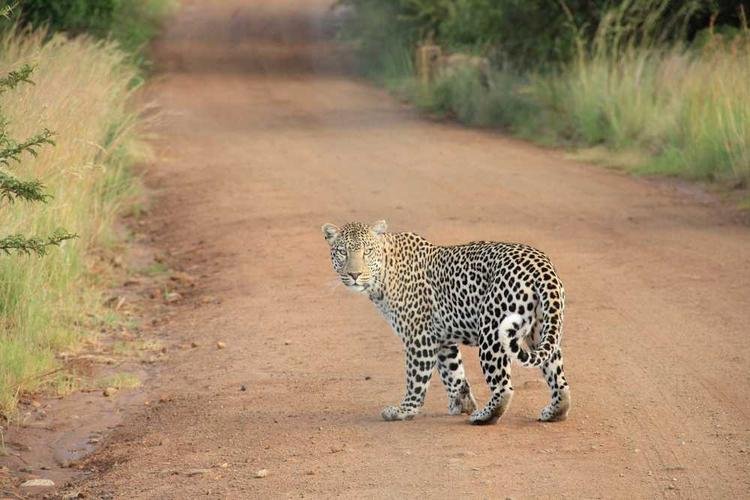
(354, 276)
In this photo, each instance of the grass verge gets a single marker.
(681, 111)
(81, 92)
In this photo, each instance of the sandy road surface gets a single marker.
(266, 137)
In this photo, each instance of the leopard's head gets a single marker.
(357, 252)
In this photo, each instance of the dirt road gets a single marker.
(265, 137)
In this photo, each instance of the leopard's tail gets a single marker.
(515, 329)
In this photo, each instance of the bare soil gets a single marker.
(266, 135)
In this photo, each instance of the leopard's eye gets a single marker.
(341, 254)
(368, 250)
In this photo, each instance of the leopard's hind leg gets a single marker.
(496, 368)
(554, 374)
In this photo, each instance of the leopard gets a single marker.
(504, 298)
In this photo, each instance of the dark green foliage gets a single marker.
(132, 23)
(723, 14)
(74, 16)
(527, 33)
(12, 188)
(136, 22)
(523, 32)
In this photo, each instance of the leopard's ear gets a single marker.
(379, 226)
(330, 232)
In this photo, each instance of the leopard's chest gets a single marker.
(402, 313)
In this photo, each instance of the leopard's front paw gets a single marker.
(391, 413)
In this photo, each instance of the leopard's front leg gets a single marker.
(451, 369)
(421, 355)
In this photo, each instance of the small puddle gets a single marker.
(52, 438)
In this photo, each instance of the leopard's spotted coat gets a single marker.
(503, 297)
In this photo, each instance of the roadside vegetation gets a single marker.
(83, 60)
(659, 86)
(129, 23)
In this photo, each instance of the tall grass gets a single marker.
(683, 110)
(687, 109)
(81, 92)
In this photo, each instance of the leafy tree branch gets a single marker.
(16, 243)
(12, 189)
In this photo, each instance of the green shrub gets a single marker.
(74, 16)
(532, 34)
(132, 23)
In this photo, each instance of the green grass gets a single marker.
(689, 110)
(119, 381)
(682, 111)
(134, 347)
(155, 269)
(686, 111)
(82, 91)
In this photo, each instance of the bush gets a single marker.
(131, 23)
(531, 34)
(74, 16)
